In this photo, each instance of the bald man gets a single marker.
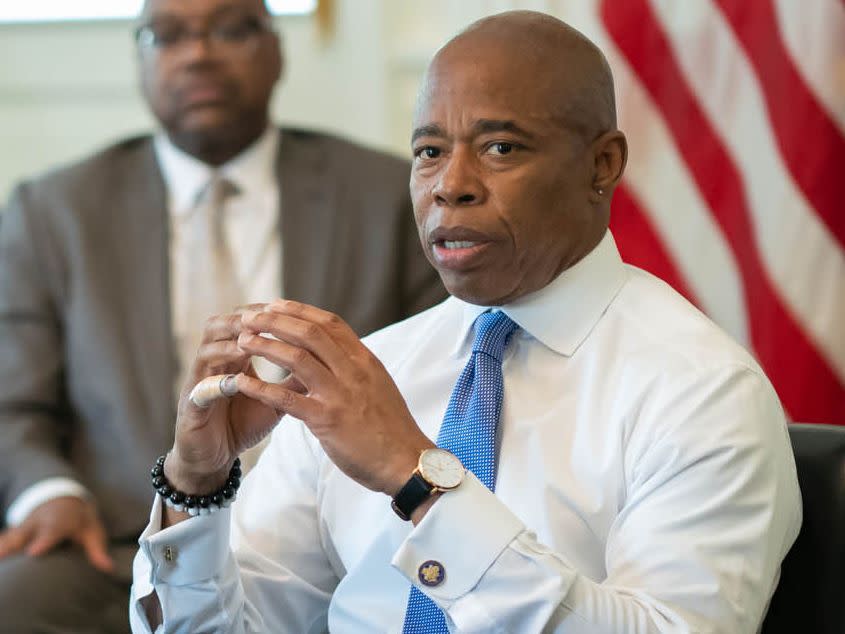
(108, 272)
(565, 445)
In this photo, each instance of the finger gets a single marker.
(13, 540)
(311, 372)
(219, 357)
(332, 322)
(93, 542)
(253, 307)
(311, 336)
(279, 397)
(338, 330)
(215, 357)
(213, 388)
(310, 312)
(222, 327)
(290, 382)
(43, 541)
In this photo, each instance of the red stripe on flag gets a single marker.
(808, 387)
(640, 245)
(811, 143)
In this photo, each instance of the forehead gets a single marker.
(198, 8)
(460, 90)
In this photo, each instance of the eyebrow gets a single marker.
(223, 10)
(431, 129)
(482, 126)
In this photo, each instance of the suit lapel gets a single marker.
(306, 220)
(145, 285)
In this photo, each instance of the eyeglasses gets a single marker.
(234, 36)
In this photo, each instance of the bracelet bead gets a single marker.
(196, 504)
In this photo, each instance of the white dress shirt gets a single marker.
(252, 232)
(645, 484)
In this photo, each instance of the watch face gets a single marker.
(441, 468)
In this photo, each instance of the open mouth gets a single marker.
(456, 244)
(459, 255)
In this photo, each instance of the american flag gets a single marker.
(735, 187)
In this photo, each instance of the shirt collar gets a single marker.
(185, 176)
(563, 313)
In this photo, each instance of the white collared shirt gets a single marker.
(252, 232)
(645, 484)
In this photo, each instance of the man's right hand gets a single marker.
(209, 439)
(61, 519)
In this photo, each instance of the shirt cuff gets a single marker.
(34, 496)
(186, 553)
(464, 532)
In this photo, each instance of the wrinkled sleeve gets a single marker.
(41, 493)
(712, 507)
(258, 566)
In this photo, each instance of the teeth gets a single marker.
(458, 244)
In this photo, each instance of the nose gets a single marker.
(196, 46)
(458, 183)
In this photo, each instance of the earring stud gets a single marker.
(600, 191)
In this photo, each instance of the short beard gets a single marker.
(215, 147)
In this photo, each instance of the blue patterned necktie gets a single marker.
(469, 432)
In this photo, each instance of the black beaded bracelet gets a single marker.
(196, 504)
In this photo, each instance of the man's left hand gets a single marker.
(65, 518)
(351, 404)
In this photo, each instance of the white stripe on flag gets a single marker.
(814, 35)
(802, 258)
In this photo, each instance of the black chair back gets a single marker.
(811, 594)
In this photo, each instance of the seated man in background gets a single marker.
(110, 267)
(643, 477)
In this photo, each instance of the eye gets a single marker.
(427, 152)
(160, 35)
(236, 30)
(501, 149)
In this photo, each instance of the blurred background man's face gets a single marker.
(208, 68)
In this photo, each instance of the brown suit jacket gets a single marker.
(86, 351)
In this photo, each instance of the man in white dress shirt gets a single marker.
(645, 477)
(105, 286)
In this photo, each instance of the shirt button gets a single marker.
(431, 573)
(170, 553)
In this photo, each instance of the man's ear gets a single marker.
(610, 154)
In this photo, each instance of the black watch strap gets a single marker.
(410, 496)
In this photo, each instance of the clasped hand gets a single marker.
(336, 386)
